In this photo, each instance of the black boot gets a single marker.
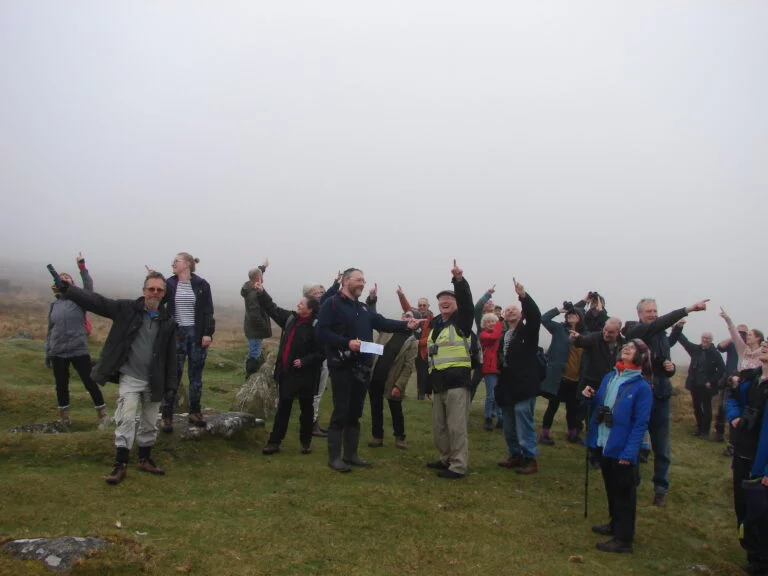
(251, 367)
(351, 442)
(334, 451)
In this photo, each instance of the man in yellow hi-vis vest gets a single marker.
(448, 347)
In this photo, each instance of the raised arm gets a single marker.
(404, 304)
(94, 302)
(478, 310)
(740, 345)
(677, 336)
(84, 274)
(547, 320)
(264, 300)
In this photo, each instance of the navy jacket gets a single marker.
(631, 413)
(734, 408)
(342, 319)
(707, 365)
(205, 325)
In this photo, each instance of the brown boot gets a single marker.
(64, 416)
(196, 419)
(400, 442)
(529, 466)
(167, 425)
(103, 417)
(306, 449)
(512, 462)
(118, 473)
(148, 465)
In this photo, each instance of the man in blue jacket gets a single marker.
(746, 412)
(343, 324)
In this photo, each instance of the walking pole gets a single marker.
(586, 465)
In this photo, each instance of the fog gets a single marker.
(573, 145)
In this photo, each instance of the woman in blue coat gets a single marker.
(620, 413)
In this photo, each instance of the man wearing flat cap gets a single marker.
(449, 358)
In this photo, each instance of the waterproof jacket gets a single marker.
(295, 382)
(655, 337)
(631, 413)
(256, 324)
(461, 319)
(598, 356)
(735, 406)
(343, 319)
(205, 325)
(519, 365)
(478, 310)
(67, 336)
(402, 366)
(706, 366)
(489, 341)
(127, 317)
(559, 348)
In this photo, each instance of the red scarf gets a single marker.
(289, 340)
(621, 367)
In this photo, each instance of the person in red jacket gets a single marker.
(490, 336)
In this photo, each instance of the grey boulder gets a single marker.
(57, 554)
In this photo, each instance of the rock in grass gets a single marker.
(225, 424)
(259, 393)
(54, 427)
(57, 554)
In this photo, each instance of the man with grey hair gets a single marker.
(139, 354)
(601, 350)
(704, 374)
(651, 329)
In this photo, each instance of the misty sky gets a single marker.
(614, 146)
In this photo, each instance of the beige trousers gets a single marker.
(450, 414)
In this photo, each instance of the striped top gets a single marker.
(184, 311)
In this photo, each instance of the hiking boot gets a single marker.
(604, 529)
(306, 449)
(437, 465)
(573, 437)
(167, 425)
(488, 424)
(64, 416)
(103, 417)
(400, 442)
(615, 545)
(512, 462)
(118, 473)
(529, 466)
(660, 500)
(351, 444)
(270, 449)
(318, 432)
(196, 419)
(148, 465)
(376, 443)
(334, 451)
(546, 440)
(449, 474)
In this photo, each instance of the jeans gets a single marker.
(658, 428)
(348, 398)
(519, 428)
(82, 365)
(254, 347)
(490, 385)
(187, 348)
(135, 393)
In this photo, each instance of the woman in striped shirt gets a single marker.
(189, 298)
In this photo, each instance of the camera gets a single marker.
(432, 349)
(362, 373)
(604, 416)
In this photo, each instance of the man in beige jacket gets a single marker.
(391, 372)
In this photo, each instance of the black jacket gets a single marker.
(295, 382)
(600, 359)
(205, 325)
(655, 337)
(519, 366)
(462, 320)
(127, 317)
(707, 365)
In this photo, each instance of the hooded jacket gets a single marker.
(256, 324)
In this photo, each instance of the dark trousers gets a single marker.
(348, 398)
(701, 398)
(720, 417)
(477, 376)
(741, 470)
(283, 416)
(189, 350)
(755, 532)
(376, 396)
(621, 488)
(422, 373)
(574, 410)
(82, 365)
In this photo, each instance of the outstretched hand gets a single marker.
(519, 288)
(573, 334)
(492, 289)
(374, 291)
(724, 314)
(413, 323)
(259, 285)
(265, 264)
(588, 392)
(149, 270)
(399, 290)
(698, 307)
(79, 258)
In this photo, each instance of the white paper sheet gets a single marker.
(371, 348)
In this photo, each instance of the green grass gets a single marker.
(223, 508)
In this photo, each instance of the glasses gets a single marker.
(155, 290)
